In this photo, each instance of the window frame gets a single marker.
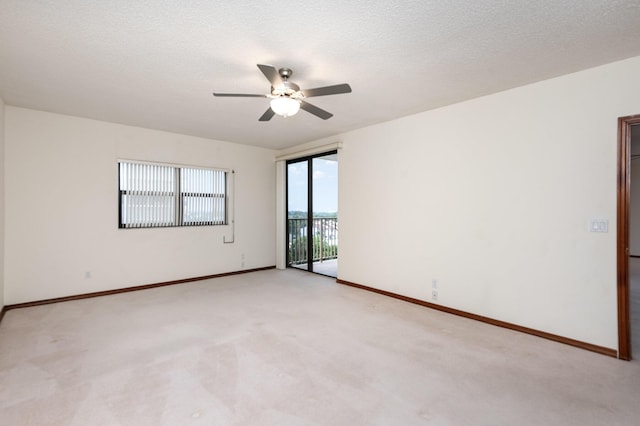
(178, 196)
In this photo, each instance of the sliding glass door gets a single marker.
(298, 213)
(312, 213)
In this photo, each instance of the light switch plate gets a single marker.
(599, 225)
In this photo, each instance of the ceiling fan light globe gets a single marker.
(285, 106)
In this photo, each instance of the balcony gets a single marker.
(324, 244)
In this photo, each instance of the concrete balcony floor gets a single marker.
(326, 267)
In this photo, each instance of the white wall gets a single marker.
(492, 197)
(62, 208)
(2, 107)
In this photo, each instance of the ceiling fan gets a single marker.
(286, 97)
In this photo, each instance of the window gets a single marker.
(158, 195)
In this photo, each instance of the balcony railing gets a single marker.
(325, 239)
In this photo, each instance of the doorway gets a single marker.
(312, 213)
(628, 292)
(634, 241)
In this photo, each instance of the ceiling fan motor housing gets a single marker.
(288, 88)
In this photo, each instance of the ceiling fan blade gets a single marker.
(272, 75)
(268, 115)
(239, 95)
(318, 112)
(328, 90)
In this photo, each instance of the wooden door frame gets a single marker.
(624, 187)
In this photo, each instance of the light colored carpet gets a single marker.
(293, 348)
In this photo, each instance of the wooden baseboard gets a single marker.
(128, 289)
(2, 311)
(583, 345)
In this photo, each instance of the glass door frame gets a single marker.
(309, 160)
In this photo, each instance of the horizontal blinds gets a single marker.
(154, 195)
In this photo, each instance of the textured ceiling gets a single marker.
(155, 64)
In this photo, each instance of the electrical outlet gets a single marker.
(434, 295)
(434, 283)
